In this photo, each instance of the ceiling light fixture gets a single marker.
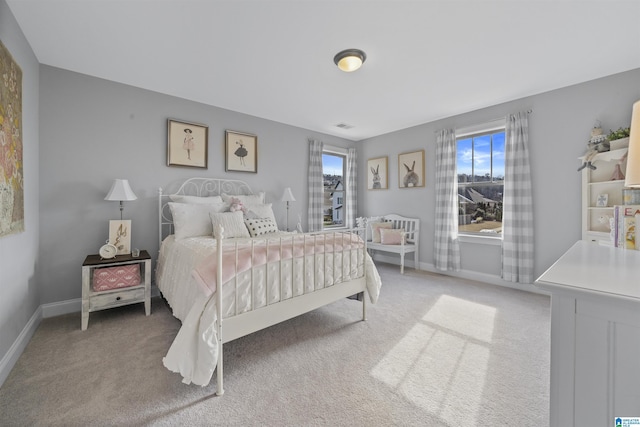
(350, 59)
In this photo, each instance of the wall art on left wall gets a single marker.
(11, 179)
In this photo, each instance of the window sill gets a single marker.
(336, 228)
(481, 240)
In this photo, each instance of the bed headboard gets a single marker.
(201, 187)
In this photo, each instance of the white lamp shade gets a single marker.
(633, 157)
(287, 196)
(120, 190)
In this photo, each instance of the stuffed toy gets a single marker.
(598, 143)
(236, 205)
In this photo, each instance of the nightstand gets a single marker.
(100, 300)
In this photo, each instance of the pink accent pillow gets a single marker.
(391, 236)
(375, 228)
(121, 276)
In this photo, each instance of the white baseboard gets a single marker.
(43, 312)
(59, 308)
(9, 360)
(73, 306)
(464, 274)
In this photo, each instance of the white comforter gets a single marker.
(194, 351)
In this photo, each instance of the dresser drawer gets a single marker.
(115, 299)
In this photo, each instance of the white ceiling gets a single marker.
(426, 60)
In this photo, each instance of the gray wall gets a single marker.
(19, 252)
(95, 130)
(559, 129)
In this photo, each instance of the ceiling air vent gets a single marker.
(344, 126)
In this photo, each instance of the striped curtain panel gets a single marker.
(316, 190)
(517, 218)
(352, 188)
(446, 249)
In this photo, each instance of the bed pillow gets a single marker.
(232, 222)
(252, 199)
(196, 200)
(375, 230)
(363, 222)
(260, 211)
(260, 226)
(191, 220)
(391, 236)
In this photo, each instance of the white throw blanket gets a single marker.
(240, 256)
(194, 352)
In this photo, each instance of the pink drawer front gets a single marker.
(122, 276)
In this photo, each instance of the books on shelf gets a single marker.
(626, 218)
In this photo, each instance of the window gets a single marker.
(334, 171)
(480, 163)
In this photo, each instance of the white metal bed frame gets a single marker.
(201, 187)
(246, 323)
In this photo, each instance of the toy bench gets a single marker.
(410, 242)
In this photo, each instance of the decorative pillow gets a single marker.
(393, 236)
(375, 230)
(252, 199)
(231, 222)
(260, 226)
(191, 220)
(260, 211)
(196, 200)
(363, 222)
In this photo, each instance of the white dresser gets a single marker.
(595, 335)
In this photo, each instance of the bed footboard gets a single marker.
(241, 324)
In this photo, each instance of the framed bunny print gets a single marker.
(377, 174)
(411, 169)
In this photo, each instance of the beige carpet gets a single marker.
(435, 351)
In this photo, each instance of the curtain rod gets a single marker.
(529, 111)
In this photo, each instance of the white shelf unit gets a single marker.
(595, 226)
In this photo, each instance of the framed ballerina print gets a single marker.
(187, 144)
(241, 152)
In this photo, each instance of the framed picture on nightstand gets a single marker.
(120, 235)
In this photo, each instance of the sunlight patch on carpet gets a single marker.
(467, 318)
(440, 365)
